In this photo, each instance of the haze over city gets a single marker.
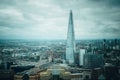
(48, 19)
(59, 39)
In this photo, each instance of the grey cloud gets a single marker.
(46, 17)
(6, 3)
(110, 3)
(112, 30)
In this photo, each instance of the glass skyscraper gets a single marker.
(70, 46)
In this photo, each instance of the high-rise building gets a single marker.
(93, 61)
(81, 56)
(70, 46)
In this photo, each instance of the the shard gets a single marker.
(70, 46)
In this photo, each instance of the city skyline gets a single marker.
(48, 19)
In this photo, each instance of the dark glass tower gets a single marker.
(70, 46)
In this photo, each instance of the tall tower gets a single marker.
(70, 46)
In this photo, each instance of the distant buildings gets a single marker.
(87, 59)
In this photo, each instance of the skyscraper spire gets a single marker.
(70, 46)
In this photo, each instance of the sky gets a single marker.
(48, 19)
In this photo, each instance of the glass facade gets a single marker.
(70, 46)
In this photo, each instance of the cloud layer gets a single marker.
(48, 19)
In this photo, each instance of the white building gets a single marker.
(81, 56)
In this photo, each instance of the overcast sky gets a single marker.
(48, 19)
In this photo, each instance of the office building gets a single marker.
(70, 46)
(81, 56)
(92, 61)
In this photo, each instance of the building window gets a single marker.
(81, 76)
(86, 77)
